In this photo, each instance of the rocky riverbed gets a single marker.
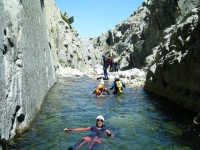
(134, 78)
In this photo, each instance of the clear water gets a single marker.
(138, 120)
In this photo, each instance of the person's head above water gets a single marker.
(100, 121)
(116, 76)
(102, 82)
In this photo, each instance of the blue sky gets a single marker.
(94, 17)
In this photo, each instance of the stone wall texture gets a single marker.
(68, 50)
(174, 71)
(26, 64)
(162, 38)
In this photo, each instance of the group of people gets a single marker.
(109, 62)
(98, 131)
(117, 85)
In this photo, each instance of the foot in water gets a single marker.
(70, 148)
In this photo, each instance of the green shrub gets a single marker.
(60, 61)
(66, 20)
(79, 59)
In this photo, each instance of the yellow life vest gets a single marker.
(119, 86)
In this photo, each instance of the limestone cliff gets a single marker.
(161, 37)
(26, 65)
(35, 42)
(68, 50)
(174, 72)
(132, 40)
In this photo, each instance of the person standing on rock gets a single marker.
(109, 62)
(95, 137)
(101, 89)
(105, 66)
(116, 66)
(117, 85)
(104, 59)
(105, 72)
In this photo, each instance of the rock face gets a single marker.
(132, 40)
(26, 64)
(175, 70)
(68, 50)
(36, 41)
(161, 37)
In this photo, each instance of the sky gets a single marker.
(95, 17)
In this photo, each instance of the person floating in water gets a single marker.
(117, 85)
(94, 138)
(101, 89)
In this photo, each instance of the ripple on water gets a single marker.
(138, 120)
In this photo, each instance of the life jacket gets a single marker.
(99, 89)
(119, 87)
(108, 60)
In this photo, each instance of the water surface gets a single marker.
(138, 120)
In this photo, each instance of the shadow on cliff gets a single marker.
(42, 4)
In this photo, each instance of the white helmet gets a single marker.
(100, 117)
(102, 82)
(116, 76)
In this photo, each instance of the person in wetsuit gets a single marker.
(94, 137)
(100, 89)
(117, 85)
(104, 59)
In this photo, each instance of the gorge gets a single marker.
(37, 41)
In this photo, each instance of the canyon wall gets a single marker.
(162, 38)
(35, 42)
(68, 50)
(26, 64)
(175, 64)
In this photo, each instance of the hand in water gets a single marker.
(109, 133)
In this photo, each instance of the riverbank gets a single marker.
(134, 78)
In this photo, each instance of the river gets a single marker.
(138, 120)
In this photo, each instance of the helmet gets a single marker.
(102, 82)
(103, 55)
(100, 117)
(117, 76)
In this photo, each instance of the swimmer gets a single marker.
(117, 85)
(100, 89)
(94, 137)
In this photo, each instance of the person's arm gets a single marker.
(123, 84)
(76, 129)
(94, 92)
(109, 133)
(112, 86)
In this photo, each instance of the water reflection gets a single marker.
(139, 121)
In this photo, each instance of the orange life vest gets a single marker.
(99, 89)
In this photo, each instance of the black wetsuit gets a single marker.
(95, 136)
(97, 132)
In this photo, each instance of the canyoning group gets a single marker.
(97, 132)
